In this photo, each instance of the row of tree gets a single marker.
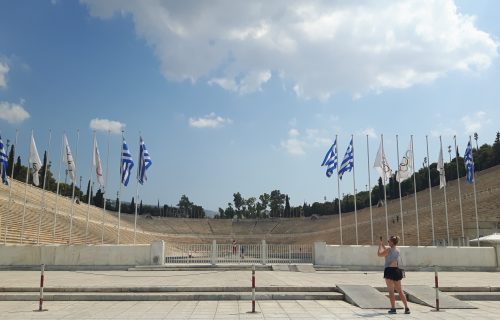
(184, 209)
(268, 205)
(277, 204)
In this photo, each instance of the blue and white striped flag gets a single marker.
(348, 161)
(126, 163)
(331, 159)
(3, 162)
(469, 164)
(144, 162)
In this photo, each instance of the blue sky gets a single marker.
(248, 96)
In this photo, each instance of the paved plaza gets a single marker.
(269, 309)
(297, 309)
(216, 278)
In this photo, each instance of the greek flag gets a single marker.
(469, 165)
(126, 163)
(330, 160)
(144, 162)
(3, 162)
(348, 161)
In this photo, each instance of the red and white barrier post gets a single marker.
(40, 304)
(436, 284)
(253, 288)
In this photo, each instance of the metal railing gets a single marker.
(217, 254)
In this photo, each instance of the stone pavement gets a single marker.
(227, 310)
(209, 278)
(277, 309)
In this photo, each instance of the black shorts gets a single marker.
(392, 273)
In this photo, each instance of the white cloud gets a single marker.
(209, 121)
(293, 133)
(317, 47)
(294, 145)
(297, 143)
(443, 132)
(106, 125)
(474, 122)
(250, 83)
(370, 132)
(4, 69)
(13, 112)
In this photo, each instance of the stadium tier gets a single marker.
(54, 219)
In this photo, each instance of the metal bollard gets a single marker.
(436, 284)
(40, 303)
(253, 288)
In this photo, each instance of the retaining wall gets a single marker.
(413, 257)
(82, 255)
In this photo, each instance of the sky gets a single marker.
(247, 96)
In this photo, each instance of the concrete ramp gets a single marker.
(426, 295)
(365, 297)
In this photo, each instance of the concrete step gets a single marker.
(168, 296)
(99, 290)
(193, 267)
(476, 296)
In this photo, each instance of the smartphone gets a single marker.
(380, 238)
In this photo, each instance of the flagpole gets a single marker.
(444, 191)
(369, 187)
(385, 191)
(13, 165)
(354, 189)
(105, 191)
(430, 189)
(475, 198)
(139, 164)
(400, 200)
(90, 188)
(74, 185)
(415, 189)
(57, 190)
(338, 191)
(26, 191)
(120, 190)
(43, 190)
(10, 186)
(459, 191)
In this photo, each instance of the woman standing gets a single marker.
(392, 274)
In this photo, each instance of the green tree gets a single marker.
(276, 202)
(229, 213)
(19, 173)
(238, 201)
(43, 170)
(251, 204)
(287, 212)
(380, 190)
(99, 199)
(10, 161)
(184, 205)
(132, 206)
(87, 195)
(140, 208)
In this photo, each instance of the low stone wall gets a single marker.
(413, 257)
(82, 255)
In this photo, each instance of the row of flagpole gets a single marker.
(35, 165)
(406, 169)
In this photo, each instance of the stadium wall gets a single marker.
(414, 258)
(83, 255)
